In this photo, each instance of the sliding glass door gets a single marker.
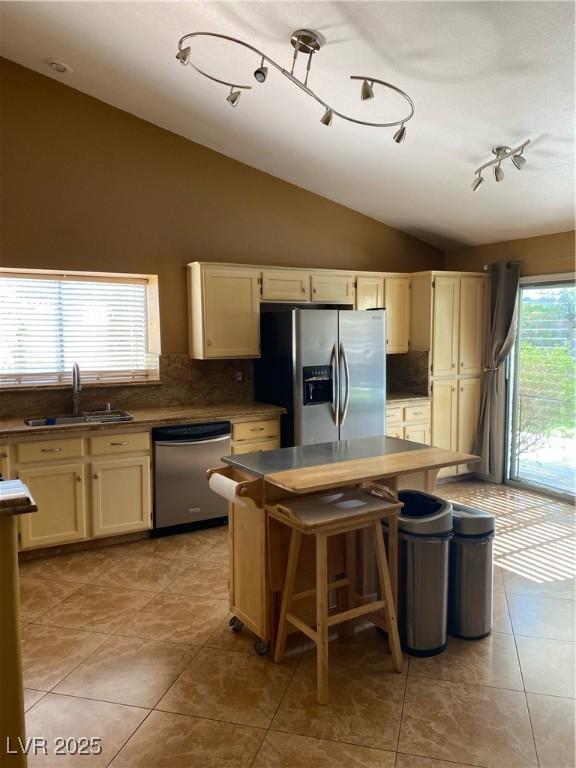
(541, 430)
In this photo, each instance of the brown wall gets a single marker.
(87, 186)
(546, 255)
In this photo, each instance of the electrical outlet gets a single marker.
(238, 375)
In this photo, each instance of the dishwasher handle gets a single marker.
(191, 442)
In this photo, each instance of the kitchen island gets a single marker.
(259, 545)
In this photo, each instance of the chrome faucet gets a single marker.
(76, 389)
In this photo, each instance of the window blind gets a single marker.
(49, 323)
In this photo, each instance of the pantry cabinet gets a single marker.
(472, 324)
(445, 318)
(224, 312)
(469, 401)
(445, 414)
(121, 499)
(455, 416)
(59, 491)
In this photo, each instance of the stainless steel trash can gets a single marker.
(424, 531)
(470, 583)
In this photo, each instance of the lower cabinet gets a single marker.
(455, 415)
(418, 433)
(60, 493)
(469, 401)
(409, 421)
(121, 498)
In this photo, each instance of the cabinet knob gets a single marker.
(79, 478)
(461, 365)
(461, 389)
(96, 476)
(304, 290)
(315, 290)
(453, 389)
(453, 365)
(209, 342)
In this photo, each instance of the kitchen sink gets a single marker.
(86, 417)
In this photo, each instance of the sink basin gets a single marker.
(87, 417)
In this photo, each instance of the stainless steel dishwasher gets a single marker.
(182, 454)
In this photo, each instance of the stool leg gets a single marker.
(348, 627)
(390, 608)
(287, 592)
(323, 693)
(393, 555)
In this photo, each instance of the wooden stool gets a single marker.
(331, 514)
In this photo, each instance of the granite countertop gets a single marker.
(392, 397)
(15, 498)
(150, 417)
(318, 454)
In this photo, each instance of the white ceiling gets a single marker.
(480, 73)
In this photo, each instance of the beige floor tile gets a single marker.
(189, 546)
(467, 724)
(50, 653)
(223, 637)
(76, 567)
(547, 586)
(201, 578)
(240, 688)
(31, 697)
(96, 608)
(548, 666)
(491, 661)
(548, 617)
(128, 670)
(219, 553)
(367, 650)
(412, 761)
(501, 617)
(498, 580)
(64, 716)
(287, 750)
(176, 741)
(37, 596)
(553, 723)
(364, 708)
(176, 619)
(150, 574)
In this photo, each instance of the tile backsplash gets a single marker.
(182, 382)
(408, 373)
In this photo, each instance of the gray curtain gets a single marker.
(491, 437)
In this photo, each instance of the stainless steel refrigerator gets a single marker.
(327, 367)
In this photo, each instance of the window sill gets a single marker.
(85, 385)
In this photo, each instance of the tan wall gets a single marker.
(87, 186)
(546, 255)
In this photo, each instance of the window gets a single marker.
(107, 323)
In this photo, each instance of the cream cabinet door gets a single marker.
(472, 324)
(445, 414)
(257, 446)
(395, 430)
(333, 288)
(418, 433)
(285, 285)
(397, 303)
(445, 326)
(121, 499)
(231, 313)
(4, 462)
(60, 493)
(369, 292)
(469, 399)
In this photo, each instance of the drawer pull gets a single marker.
(418, 413)
(3, 455)
(257, 429)
(51, 450)
(123, 442)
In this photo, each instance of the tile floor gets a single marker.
(131, 643)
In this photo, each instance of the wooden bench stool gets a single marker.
(331, 514)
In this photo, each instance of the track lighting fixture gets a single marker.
(308, 43)
(233, 97)
(400, 135)
(367, 92)
(477, 182)
(502, 153)
(261, 73)
(183, 55)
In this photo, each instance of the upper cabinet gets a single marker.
(445, 326)
(397, 303)
(333, 287)
(285, 285)
(473, 316)
(369, 292)
(224, 311)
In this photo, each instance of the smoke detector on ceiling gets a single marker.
(58, 66)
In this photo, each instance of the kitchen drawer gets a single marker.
(123, 443)
(47, 450)
(255, 430)
(395, 431)
(394, 414)
(256, 447)
(417, 413)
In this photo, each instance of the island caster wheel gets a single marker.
(235, 624)
(261, 647)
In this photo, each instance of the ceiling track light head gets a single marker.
(326, 118)
(307, 42)
(498, 173)
(478, 181)
(519, 161)
(502, 152)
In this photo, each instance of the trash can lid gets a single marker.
(469, 521)
(424, 514)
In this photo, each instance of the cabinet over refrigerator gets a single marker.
(327, 367)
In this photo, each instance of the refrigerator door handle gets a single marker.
(347, 393)
(335, 363)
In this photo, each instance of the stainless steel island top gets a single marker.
(268, 462)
